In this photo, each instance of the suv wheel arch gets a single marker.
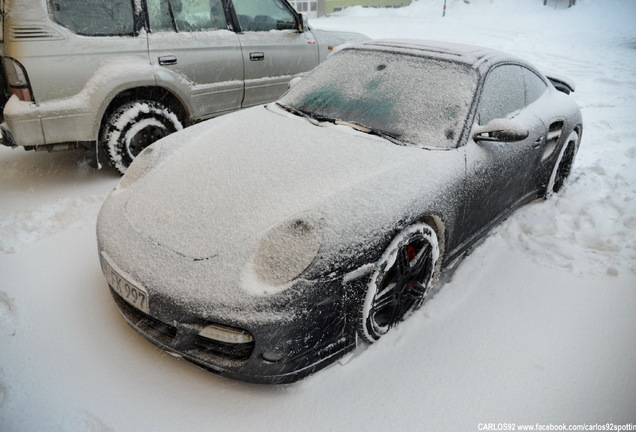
(152, 94)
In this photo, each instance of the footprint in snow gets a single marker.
(7, 315)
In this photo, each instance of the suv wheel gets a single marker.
(134, 126)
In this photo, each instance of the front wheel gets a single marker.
(132, 127)
(563, 166)
(401, 281)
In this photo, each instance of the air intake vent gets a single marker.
(554, 135)
(32, 33)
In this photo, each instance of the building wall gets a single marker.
(336, 5)
(309, 8)
(316, 8)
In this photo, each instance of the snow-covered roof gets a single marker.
(462, 53)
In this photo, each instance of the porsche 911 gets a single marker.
(268, 243)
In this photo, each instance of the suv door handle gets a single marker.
(168, 60)
(257, 56)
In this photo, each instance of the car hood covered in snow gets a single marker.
(225, 190)
(216, 198)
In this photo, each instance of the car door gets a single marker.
(274, 50)
(196, 54)
(500, 171)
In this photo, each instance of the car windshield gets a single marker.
(412, 100)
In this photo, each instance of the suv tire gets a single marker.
(132, 127)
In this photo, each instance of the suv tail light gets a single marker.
(17, 80)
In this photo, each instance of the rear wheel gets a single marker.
(401, 281)
(132, 127)
(563, 166)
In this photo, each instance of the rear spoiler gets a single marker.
(561, 83)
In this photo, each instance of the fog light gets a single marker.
(273, 357)
(226, 334)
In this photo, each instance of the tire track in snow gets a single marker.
(3, 389)
(22, 228)
(7, 315)
(591, 225)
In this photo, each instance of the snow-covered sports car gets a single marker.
(264, 244)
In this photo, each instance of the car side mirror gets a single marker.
(303, 23)
(501, 130)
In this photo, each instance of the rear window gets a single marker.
(94, 17)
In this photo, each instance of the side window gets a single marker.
(535, 87)
(189, 15)
(263, 15)
(159, 15)
(94, 17)
(503, 93)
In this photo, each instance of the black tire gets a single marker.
(401, 281)
(132, 127)
(563, 165)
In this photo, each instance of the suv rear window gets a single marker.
(94, 17)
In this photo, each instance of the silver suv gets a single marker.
(116, 75)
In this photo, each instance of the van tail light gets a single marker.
(17, 79)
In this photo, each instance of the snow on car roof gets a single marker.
(463, 53)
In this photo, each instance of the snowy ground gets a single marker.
(538, 325)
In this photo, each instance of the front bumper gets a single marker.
(308, 336)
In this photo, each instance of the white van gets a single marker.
(116, 75)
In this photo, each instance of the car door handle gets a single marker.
(257, 56)
(168, 60)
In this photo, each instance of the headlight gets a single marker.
(286, 251)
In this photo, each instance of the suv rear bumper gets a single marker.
(7, 136)
(28, 125)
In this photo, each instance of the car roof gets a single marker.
(462, 53)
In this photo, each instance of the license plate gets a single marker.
(131, 293)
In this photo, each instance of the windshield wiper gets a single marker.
(311, 118)
(316, 119)
(393, 137)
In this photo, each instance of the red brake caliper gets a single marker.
(411, 253)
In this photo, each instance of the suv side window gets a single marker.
(189, 15)
(94, 17)
(263, 15)
(503, 93)
(159, 15)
